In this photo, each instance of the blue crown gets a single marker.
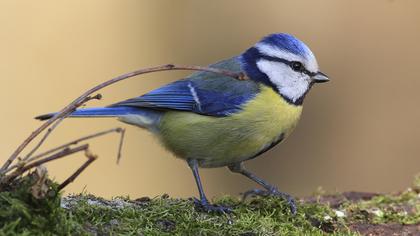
(286, 42)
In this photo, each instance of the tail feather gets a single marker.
(142, 117)
(99, 112)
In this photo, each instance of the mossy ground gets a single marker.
(168, 216)
(84, 214)
(23, 214)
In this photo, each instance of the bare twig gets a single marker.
(66, 145)
(63, 153)
(74, 142)
(84, 97)
(121, 145)
(62, 114)
(91, 158)
(51, 129)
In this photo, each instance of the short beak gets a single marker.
(320, 77)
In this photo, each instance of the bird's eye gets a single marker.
(297, 66)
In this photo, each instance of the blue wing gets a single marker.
(203, 93)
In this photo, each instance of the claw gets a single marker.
(273, 192)
(204, 205)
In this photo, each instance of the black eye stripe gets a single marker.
(287, 62)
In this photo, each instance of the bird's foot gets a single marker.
(273, 192)
(204, 205)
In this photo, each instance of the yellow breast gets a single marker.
(220, 141)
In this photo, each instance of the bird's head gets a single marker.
(285, 63)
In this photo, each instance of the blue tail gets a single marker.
(101, 112)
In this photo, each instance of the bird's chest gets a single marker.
(267, 119)
(263, 122)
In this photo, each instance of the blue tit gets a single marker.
(211, 120)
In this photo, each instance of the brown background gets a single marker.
(359, 132)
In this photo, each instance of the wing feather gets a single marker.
(203, 93)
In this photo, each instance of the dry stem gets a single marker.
(67, 145)
(90, 158)
(61, 154)
(120, 145)
(50, 130)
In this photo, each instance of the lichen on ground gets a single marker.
(84, 214)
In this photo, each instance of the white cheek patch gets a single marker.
(308, 60)
(290, 83)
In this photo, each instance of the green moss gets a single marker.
(165, 216)
(402, 208)
(23, 214)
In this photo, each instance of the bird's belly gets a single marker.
(220, 141)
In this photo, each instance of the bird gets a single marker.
(212, 120)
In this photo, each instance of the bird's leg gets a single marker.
(203, 204)
(269, 189)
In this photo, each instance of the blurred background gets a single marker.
(359, 132)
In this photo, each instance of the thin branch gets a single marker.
(120, 145)
(63, 153)
(50, 130)
(66, 145)
(74, 142)
(60, 115)
(91, 158)
(81, 99)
